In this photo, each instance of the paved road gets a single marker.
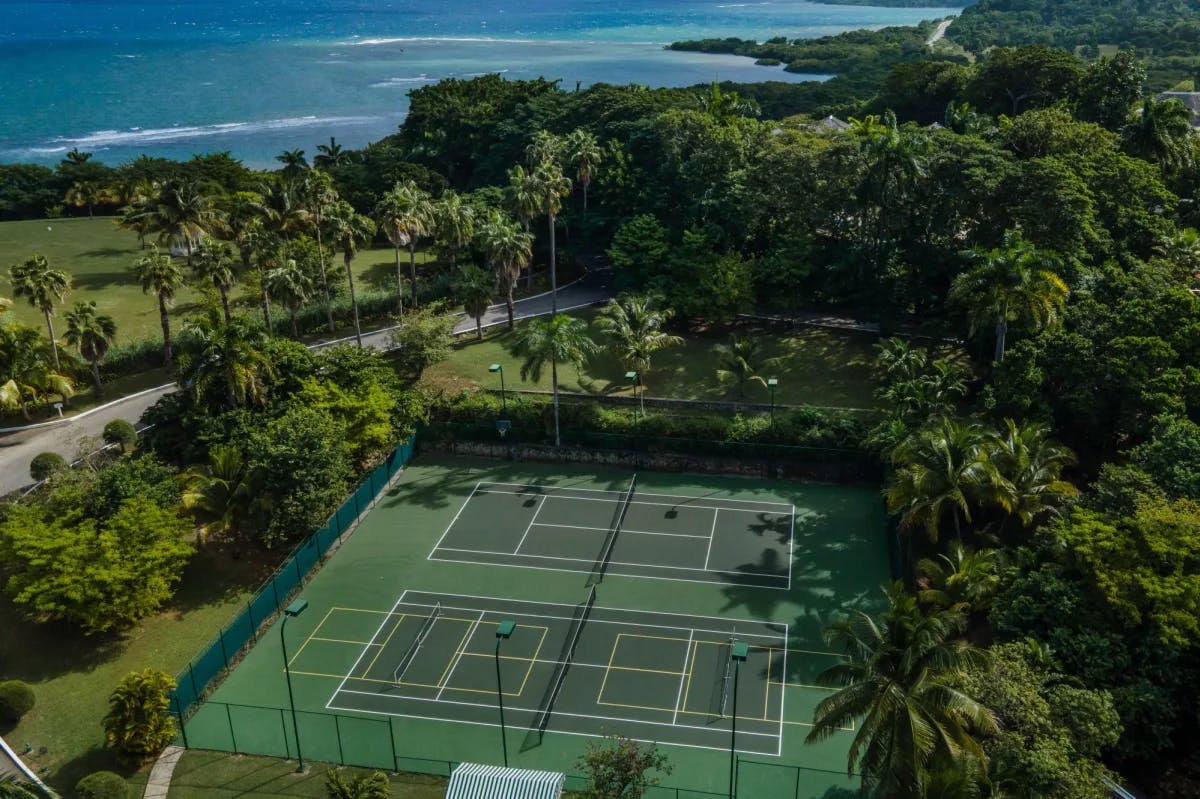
(80, 435)
(939, 33)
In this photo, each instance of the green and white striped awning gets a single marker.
(477, 781)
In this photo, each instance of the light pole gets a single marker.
(290, 612)
(494, 368)
(739, 651)
(771, 384)
(639, 389)
(503, 633)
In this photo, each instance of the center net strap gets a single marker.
(411, 652)
(564, 660)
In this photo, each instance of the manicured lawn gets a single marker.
(217, 774)
(72, 674)
(814, 367)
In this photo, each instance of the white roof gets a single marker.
(477, 781)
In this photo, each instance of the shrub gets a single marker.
(16, 699)
(102, 785)
(138, 724)
(120, 431)
(46, 464)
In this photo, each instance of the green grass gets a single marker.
(814, 367)
(72, 674)
(223, 776)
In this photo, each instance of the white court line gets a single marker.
(792, 547)
(687, 654)
(452, 521)
(712, 533)
(367, 647)
(535, 711)
(448, 559)
(787, 638)
(532, 521)
(458, 655)
(609, 530)
(612, 562)
(725, 508)
(611, 491)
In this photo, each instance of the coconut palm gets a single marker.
(405, 214)
(584, 155)
(453, 226)
(214, 264)
(559, 339)
(75, 157)
(942, 469)
(550, 185)
(220, 493)
(293, 162)
(292, 286)
(330, 155)
(27, 372)
(85, 194)
(364, 786)
(243, 224)
(474, 287)
(349, 230)
(1161, 131)
(897, 689)
(1011, 284)
(180, 212)
(319, 194)
(43, 287)
(634, 323)
(1031, 466)
(158, 273)
(963, 579)
(507, 250)
(226, 359)
(544, 147)
(522, 200)
(739, 362)
(92, 333)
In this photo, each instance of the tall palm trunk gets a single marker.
(90, 214)
(553, 269)
(412, 269)
(554, 384)
(585, 188)
(165, 321)
(353, 299)
(225, 304)
(399, 284)
(1001, 335)
(292, 319)
(53, 343)
(529, 268)
(324, 279)
(96, 379)
(266, 309)
(510, 304)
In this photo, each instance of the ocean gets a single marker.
(255, 77)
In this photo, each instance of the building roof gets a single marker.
(832, 123)
(11, 765)
(477, 781)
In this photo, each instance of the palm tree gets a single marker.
(898, 687)
(292, 286)
(584, 154)
(964, 579)
(1182, 250)
(1161, 132)
(507, 250)
(453, 225)
(43, 287)
(550, 185)
(1011, 284)
(522, 199)
(943, 468)
(349, 231)
(1031, 466)
(76, 157)
(319, 194)
(293, 162)
(365, 786)
(228, 357)
(330, 155)
(544, 147)
(181, 212)
(92, 333)
(214, 264)
(13, 788)
(739, 362)
(474, 288)
(26, 371)
(84, 194)
(634, 323)
(243, 224)
(220, 493)
(158, 273)
(559, 339)
(405, 214)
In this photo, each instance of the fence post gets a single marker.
(274, 592)
(287, 750)
(224, 651)
(229, 721)
(253, 623)
(179, 713)
(192, 680)
(337, 730)
(392, 735)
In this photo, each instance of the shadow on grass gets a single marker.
(109, 252)
(96, 281)
(97, 758)
(219, 571)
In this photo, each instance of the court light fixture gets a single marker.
(503, 633)
(290, 612)
(499, 368)
(739, 652)
(636, 379)
(773, 383)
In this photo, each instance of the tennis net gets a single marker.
(610, 540)
(411, 652)
(564, 660)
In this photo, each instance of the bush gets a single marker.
(16, 699)
(102, 785)
(46, 464)
(119, 431)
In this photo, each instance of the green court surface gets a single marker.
(627, 608)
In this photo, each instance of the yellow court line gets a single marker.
(458, 652)
(310, 637)
(344, 641)
(383, 646)
(608, 669)
(654, 708)
(804, 685)
(533, 660)
(648, 671)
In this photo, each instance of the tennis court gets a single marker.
(631, 533)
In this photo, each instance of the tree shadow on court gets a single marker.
(434, 492)
(772, 525)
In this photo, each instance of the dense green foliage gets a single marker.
(139, 724)
(102, 785)
(16, 699)
(45, 464)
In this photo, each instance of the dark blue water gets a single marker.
(174, 78)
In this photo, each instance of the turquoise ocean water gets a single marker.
(125, 77)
